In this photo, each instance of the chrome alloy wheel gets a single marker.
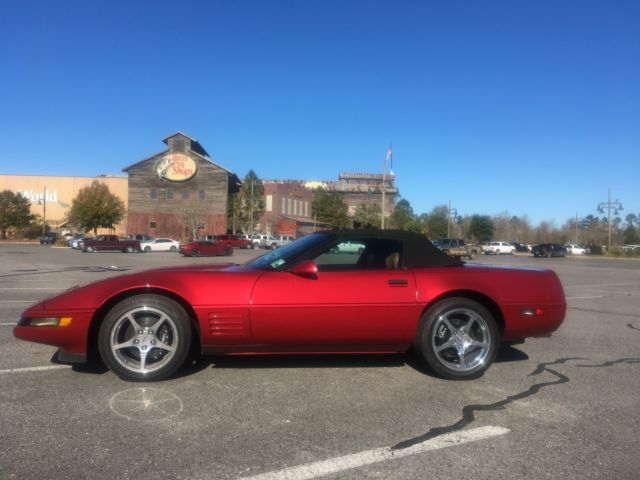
(143, 339)
(461, 339)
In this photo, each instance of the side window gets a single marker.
(365, 254)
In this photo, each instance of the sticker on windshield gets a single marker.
(277, 263)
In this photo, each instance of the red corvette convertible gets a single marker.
(316, 295)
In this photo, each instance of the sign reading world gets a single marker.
(176, 167)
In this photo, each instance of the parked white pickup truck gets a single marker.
(499, 248)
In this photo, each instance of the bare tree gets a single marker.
(193, 215)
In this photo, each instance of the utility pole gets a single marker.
(450, 212)
(44, 211)
(609, 205)
(251, 210)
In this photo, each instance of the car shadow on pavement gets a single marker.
(305, 361)
(507, 354)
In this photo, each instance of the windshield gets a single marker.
(275, 259)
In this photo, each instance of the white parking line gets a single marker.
(9, 324)
(34, 369)
(18, 301)
(368, 457)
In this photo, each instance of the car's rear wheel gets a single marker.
(145, 338)
(195, 253)
(457, 339)
(88, 249)
(228, 250)
(147, 249)
(129, 249)
(173, 248)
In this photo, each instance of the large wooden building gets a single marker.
(175, 185)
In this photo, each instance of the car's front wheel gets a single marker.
(147, 249)
(457, 339)
(145, 338)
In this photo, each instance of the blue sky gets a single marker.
(527, 107)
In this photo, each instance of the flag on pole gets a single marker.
(389, 158)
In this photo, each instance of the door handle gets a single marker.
(398, 282)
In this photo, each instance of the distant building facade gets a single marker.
(178, 183)
(51, 196)
(287, 208)
(288, 202)
(358, 189)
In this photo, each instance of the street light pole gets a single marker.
(576, 227)
(609, 205)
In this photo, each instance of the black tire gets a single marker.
(195, 253)
(89, 249)
(548, 254)
(147, 249)
(145, 338)
(228, 250)
(435, 333)
(173, 248)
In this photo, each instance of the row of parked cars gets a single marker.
(209, 245)
(457, 247)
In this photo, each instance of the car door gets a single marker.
(349, 306)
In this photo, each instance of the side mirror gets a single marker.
(306, 269)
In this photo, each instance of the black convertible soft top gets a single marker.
(418, 250)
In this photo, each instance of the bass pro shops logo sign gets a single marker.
(175, 167)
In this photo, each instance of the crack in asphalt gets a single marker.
(593, 310)
(92, 269)
(468, 412)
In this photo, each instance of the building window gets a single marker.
(295, 208)
(284, 206)
(306, 209)
(169, 194)
(152, 224)
(201, 195)
(289, 207)
(185, 194)
(269, 206)
(153, 193)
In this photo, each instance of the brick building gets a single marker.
(287, 205)
(179, 182)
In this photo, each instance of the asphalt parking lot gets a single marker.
(561, 407)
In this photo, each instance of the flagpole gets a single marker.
(388, 156)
